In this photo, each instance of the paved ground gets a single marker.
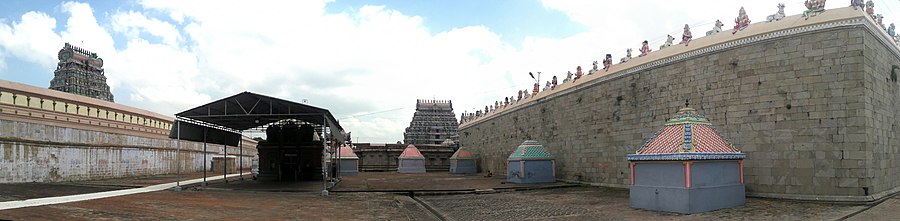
(227, 205)
(888, 210)
(373, 181)
(234, 202)
(597, 203)
(11, 192)
(21, 191)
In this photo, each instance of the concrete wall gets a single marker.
(813, 107)
(32, 152)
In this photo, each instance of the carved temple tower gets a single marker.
(80, 71)
(433, 123)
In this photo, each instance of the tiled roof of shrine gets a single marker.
(687, 136)
(411, 152)
(346, 153)
(530, 150)
(463, 154)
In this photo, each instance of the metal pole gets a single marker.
(336, 162)
(205, 134)
(177, 152)
(324, 166)
(241, 155)
(225, 164)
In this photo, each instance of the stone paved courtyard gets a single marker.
(557, 202)
(595, 203)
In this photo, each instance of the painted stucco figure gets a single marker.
(716, 29)
(627, 56)
(645, 49)
(870, 8)
(554, 83)
(741, 21)
(857, 4)
(891, 31)
(578, 73)
(607, 62)
(813, 8)
(778, 15)
(686, 36)
(668, 43)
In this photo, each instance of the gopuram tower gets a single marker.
(433, 122)
(80, 72)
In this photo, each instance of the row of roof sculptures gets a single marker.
(741, 22)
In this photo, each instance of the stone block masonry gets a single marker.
(814, 108)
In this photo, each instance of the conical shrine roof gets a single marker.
(463, 154)
(530, 150)
(346, 153)
(411, 152)
(687, 136)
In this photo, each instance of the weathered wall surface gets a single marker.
(50, 136)
(881, 92)
(39, 153)
(383, 157)
(814, 109)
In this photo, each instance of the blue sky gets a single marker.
(503, 17)
(366, 61)
(500, 17)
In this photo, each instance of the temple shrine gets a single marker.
(411, 160)
(687, 167)
(463, 161)
(347, 162)
(530, 163)
(80, 72)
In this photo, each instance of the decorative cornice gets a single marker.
(687, 156)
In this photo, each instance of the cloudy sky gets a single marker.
(366, 61)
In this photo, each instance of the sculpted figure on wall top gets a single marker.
(741, 21)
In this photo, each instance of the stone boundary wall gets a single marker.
(814, 107)
(52, 136)
(32, 152)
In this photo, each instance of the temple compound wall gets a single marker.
(383, 157)
(814, 105)
(51, 136)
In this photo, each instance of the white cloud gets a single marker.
(364, 61)
(370, 60)
(31, 39)
(133, 23)
(2, 61)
